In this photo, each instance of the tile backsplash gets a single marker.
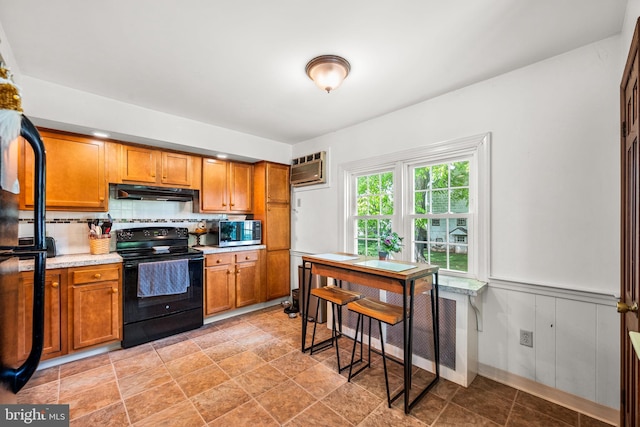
(70, 230)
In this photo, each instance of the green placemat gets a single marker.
(385, 265)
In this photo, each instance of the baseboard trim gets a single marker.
(562, 398)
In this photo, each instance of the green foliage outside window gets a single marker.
(442, 190)
(374, 199)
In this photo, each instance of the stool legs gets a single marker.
(336, 332)
(360, 326)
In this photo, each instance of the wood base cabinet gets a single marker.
(233, 280)
(278, 274)
(95, 309)
(54, 320)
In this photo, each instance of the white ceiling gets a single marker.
(240, 64)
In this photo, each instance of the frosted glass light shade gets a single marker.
(328, 71)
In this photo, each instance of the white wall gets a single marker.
(554, 209)
(554, 171)
(63, 106)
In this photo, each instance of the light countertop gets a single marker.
(461, 285)
(75, 260)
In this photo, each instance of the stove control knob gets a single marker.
(167, 307)
(164, 232)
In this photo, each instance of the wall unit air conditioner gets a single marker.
(309, 170)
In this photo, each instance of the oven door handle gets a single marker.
(135, 264)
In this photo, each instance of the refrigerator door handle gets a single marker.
(18, 377)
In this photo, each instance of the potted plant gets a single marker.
(390, 243)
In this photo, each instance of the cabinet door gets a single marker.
(139, 164)
(219, 291)
(75, 177)
(213, 195)
(53, 343)
(247, 278)
(278, 227)
(278, 274)
(176, 169)
(240, 187)
(95, 304)
(278, 186)
(95, 315)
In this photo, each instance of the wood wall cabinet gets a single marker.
(132, 164)
(227, 187)
(55, 326)
(233, 280)
(75, 176)
(272, 206)
(94, 306)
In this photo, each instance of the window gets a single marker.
(441, 190)
(436, 197)
(374, 210)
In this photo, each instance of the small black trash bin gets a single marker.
(295, 304)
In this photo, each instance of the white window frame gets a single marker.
(476, 148)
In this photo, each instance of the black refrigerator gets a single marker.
(14, 373)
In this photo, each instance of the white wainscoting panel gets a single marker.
(607, 355)
(576, 343)
(576, 348)
(520, 315)
(544, 340)
(492, 341)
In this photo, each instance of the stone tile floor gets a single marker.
(249, 371)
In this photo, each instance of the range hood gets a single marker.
(143, 192)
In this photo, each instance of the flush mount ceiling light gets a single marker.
(328, 71)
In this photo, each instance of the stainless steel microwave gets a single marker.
(236, 233)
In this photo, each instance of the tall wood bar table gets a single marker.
(404, 278)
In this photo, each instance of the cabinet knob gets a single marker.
(232, 204)
(55, 284)
(97, 276)
(102, 199)
(228, 271)
(247, 258)
(224, 204)
(217, 261)
(114, 290)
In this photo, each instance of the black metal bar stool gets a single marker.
(338, 298)
(382, 312)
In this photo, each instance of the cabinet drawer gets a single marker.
(247, 256)
(219, 259)
(94, 275)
